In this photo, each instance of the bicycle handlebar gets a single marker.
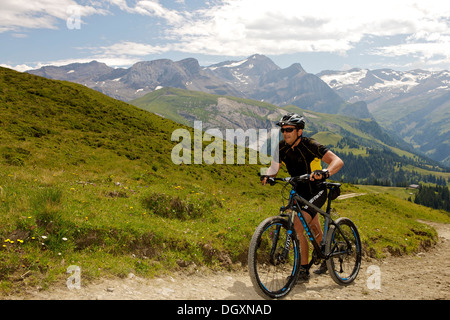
(273, 180)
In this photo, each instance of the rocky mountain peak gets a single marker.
(190, 65)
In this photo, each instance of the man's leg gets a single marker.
(304, 247)
(319, 200)
(317, 230)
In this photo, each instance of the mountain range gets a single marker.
(256, 77)
(413, 105)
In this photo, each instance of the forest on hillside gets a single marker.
(436, 197)
(381, 166)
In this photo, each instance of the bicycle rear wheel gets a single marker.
(273, 269)
(344, 246)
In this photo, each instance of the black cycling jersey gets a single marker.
(302, 159)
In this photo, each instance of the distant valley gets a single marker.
(414, 104)
(371, 154)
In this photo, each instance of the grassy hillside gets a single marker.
(87, 180)
(174, 103)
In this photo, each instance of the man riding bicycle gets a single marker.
(302, 155)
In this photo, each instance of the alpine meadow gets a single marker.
(88, 181)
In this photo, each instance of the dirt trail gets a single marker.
(425, 275)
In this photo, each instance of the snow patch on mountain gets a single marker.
(230, 65)
(339, 79)
(362, 80)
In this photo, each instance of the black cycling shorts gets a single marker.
(318, 199)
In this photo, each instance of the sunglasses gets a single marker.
(283, 130)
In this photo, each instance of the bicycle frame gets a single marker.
(296, 202)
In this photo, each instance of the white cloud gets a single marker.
(240, 28)
(244, 27)
(121, 54)
(44, 14)
(37, 65)
(286, 26)
(150, 8)
(20, 67)
(427, 55)
(129, 48)
(430, 50)
(124, 53)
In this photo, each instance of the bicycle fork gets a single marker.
(275, 259)
(284, 255)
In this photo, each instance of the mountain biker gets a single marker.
(302, 155)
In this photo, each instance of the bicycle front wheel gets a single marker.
(344, 247)
(273, 258)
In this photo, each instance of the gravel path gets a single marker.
(425, 275)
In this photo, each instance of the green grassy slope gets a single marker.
(87, 180)
(172, 102)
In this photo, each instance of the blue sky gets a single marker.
(320, 35)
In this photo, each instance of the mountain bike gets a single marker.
(274, 253)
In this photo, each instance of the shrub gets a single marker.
(47, 207)
(15, 156)
(175, 207)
